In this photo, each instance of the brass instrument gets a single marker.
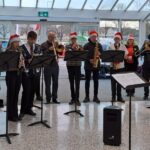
(146, 48)
(96, 54)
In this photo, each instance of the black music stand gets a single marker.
(40, 62)
(75, 56)
(112, 56)
(9, 62)
(130, 81)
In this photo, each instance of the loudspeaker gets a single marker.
(1, 103)
(112, 125)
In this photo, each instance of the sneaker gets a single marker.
(86, 100)
(55, 101)
(21, 116)
(78, 103)
(71, 102)
(31, 113)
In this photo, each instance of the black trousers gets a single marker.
(29, 85)
(87, 81)
(115, 87)
(74, 79)
(130, 68)
(146, 76)
(13, 82)
(51, 74)
(37, 90)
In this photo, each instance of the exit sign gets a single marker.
(43, 14)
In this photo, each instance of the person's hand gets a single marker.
(91, 61)
(129, 58)
(51, 48)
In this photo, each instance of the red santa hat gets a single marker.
(93, 33)
(14, 38)
(118, 35)
(73, 35)
(131, 37)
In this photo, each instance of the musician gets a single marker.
(51, 71)
(29, 76)
(145, 51)
(117, 67)
(131, 63)
(13, 81)
(92, 65)
(74, 70)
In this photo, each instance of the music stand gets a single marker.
(75, 56)
(40, 62)
(9, 62)
(130, 81)
(112, 56)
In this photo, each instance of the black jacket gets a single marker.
(90, 47)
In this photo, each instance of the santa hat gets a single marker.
(93, 33)
(131, 37)
(118, 35)
(73, 35)
(14, 38)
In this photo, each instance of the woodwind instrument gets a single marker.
(116, 64)
(96, 54)
(21, 60)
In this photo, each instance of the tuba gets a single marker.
(96, 54)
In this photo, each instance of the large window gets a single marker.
(130, 27)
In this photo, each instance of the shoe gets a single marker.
(120, 99)
(71, 102)
(86, 100)
(145, 97)
(39, 98)
(31, 113)
(96, 99)
(55, 101)
(21, 116)
(78, 103)
(47, 101)
(13, 119)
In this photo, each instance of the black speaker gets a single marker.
(1, 103)
(112, 125)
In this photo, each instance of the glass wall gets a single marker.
(130, 27)
(147, 28)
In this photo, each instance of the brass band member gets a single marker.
(29, 82)
(117, 67)
(51, 72)
(92, 65)
(74, 70)
(131, 63)
(146, 65)
(13, 82)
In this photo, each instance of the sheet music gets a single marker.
(126, 79)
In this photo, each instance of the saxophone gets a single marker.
(96, 55)
(115, 64)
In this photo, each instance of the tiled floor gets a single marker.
(77, 133)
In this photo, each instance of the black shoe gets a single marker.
(145, 97)
(78, 103)
(86, 100)
(120, 99)
(21, 116)
(96, 99)
(39, 98)
(48, 101)
(71, 102)
(31, 113)
(13, 119)
(113, 99)
(55, 101)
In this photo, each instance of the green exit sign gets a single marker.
(43, 14)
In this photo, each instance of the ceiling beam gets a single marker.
(148, 15)
(53, 4)
(143, 6)
(98, 6)
(20, 3)
(37, 1)
(84, 4)
(3, 3)
(129, 5)
(68, 4)
(114, 5)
